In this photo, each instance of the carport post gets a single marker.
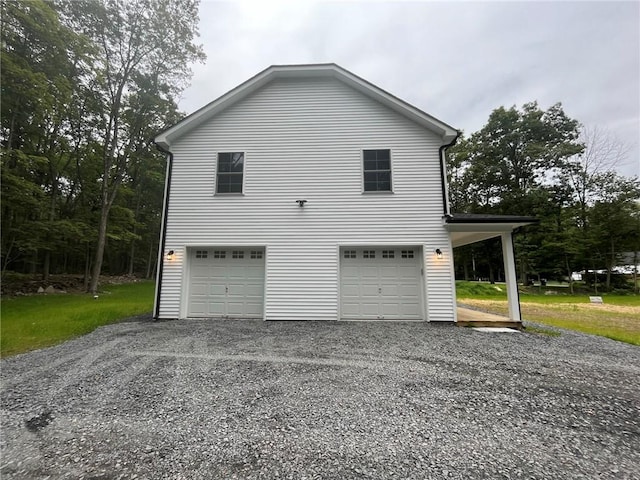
(510, 277)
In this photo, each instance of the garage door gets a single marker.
(381, 283)
(226, 282)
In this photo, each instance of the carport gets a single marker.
(467, 228)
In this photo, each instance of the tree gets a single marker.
(145, 48)
(612, 220)
(507, 167)
(41, 61)
(515, 152)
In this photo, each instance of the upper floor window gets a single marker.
(377, 170)
(230, 170)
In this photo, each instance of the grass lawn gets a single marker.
(38, 321)
(617, 318)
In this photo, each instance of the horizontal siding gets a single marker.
(303, 140)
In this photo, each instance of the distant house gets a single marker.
(307, 193)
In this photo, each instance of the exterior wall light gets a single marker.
(438, 253)
(301, 203)
(170, 255)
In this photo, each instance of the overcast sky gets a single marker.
(455, 60)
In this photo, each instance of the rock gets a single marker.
(50, 289)
(40, 290)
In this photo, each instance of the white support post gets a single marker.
(510, 277)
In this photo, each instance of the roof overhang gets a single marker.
(167, 137)
(466, 228)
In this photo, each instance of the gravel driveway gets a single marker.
(248, 399)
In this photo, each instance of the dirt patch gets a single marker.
(601, 319)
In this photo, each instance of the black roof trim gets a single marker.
(488, 218)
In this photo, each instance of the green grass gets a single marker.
(618, 318)
(33, 322)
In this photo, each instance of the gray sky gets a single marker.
(455, 60)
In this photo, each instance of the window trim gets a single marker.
(217, 172)
(376, 192)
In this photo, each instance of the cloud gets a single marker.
(456, 60)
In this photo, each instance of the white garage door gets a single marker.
(226, 282)
(381, 283)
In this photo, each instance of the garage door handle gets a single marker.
(379, 289)
(226, 289)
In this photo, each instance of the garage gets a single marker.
(226, 282)
(381, 283)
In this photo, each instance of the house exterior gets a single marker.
(307, 193)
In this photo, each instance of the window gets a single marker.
(368, 254)
(230, 168)
(202, 253)
(256, 254)
(349, 254)
(407, 253)
(219, 254)
(388, 254)
(377, 170)
(237, 254)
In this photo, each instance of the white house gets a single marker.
(307, 193)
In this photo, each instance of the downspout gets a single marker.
(443, 178)
(163, 235)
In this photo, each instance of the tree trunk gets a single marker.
(46, 265)
(612, 262)
(131, 257)
(102, 240)
(87, 268)
(569, 273)
(149, 261)
(635, 272)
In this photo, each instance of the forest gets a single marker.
(85, 87)
(86, 84)
(541, 163)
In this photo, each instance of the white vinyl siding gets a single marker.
(305, 140)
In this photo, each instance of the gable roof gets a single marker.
(167, 137)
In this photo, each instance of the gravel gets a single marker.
(233, 399)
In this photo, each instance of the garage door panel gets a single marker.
(381, 286)
(216, 308)
(227, 286)
(216, 290)
(368, 271)
(410, 310)
(198, 308)
(253, 309)
(199, 289)
(408, 290)
(369, 290)
(254, 290)
(235, 309)
(255, 272)
(350, 309)
(350, 290)
(370, 309)
(389, 290)
(390, 309)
